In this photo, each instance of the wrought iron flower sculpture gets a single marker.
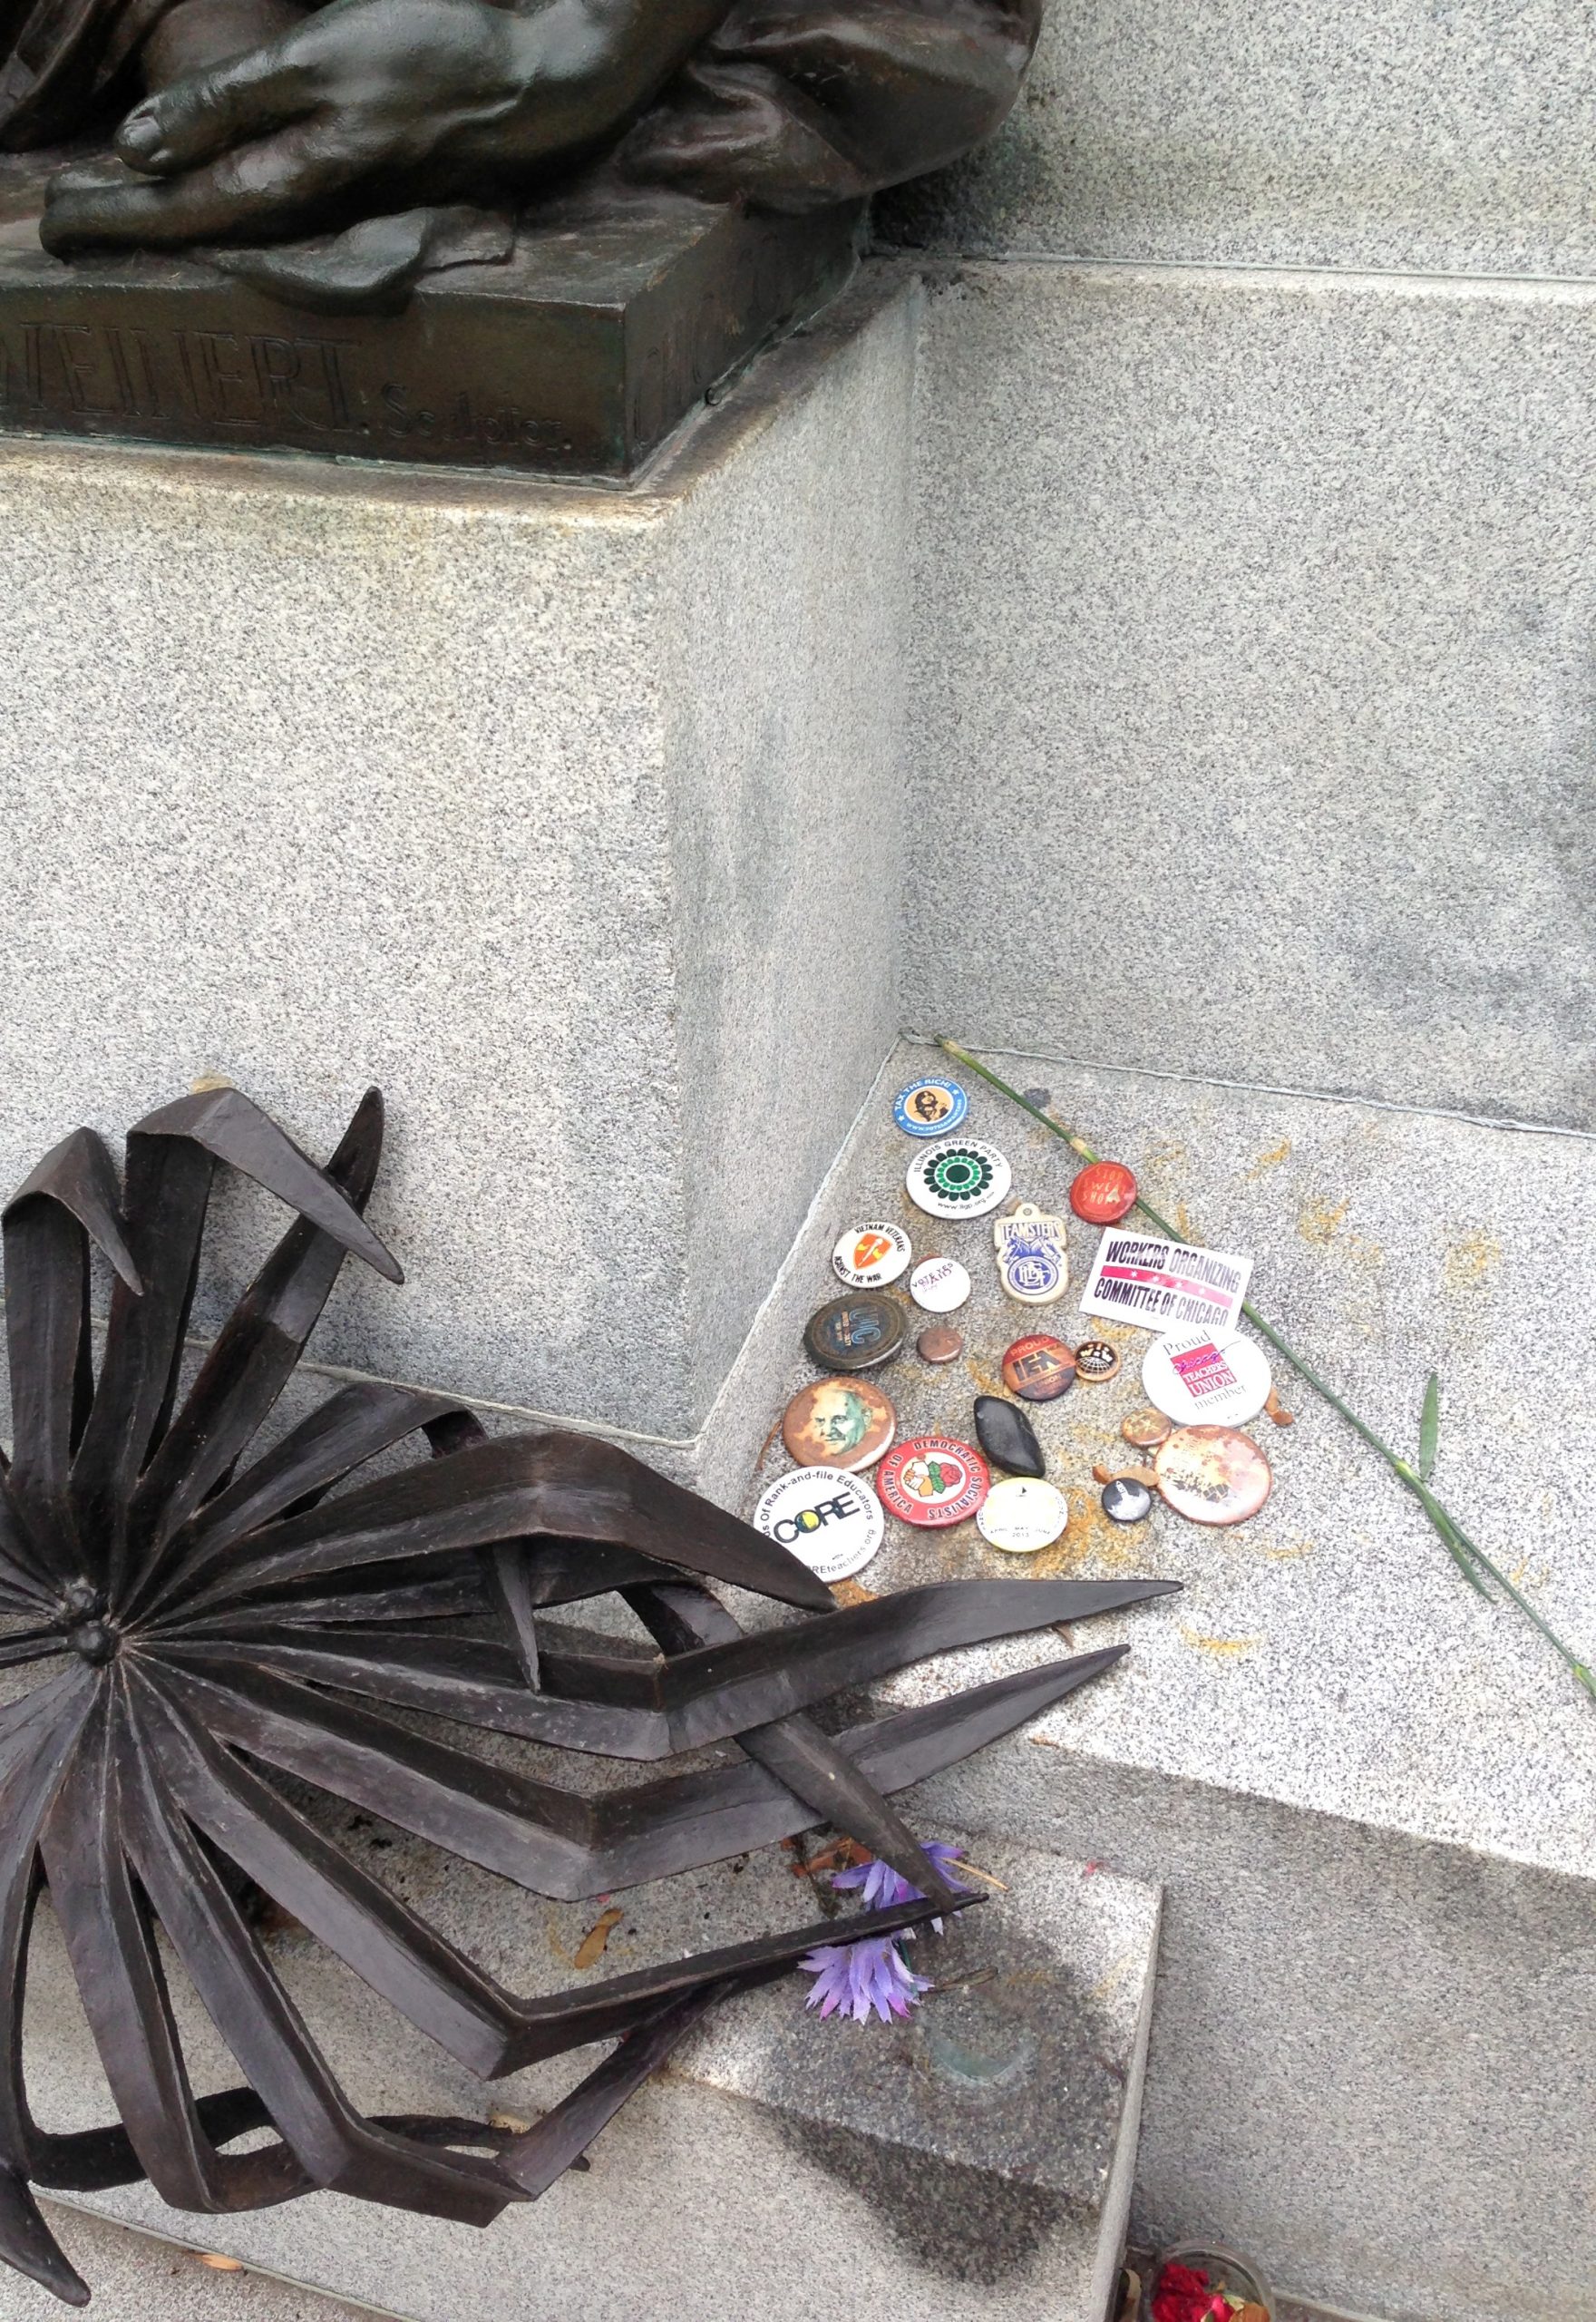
(206, 1623)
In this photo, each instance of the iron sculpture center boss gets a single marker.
(258, 121)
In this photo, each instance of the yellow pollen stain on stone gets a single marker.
(1183, 1222)
(1319, 1222)
(1471, 1261)
(1270, 1160)
(1226, 1646)
(1282, 1556)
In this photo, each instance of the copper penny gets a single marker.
(1147, 1428)
(939, 1344)
(1213, 1475)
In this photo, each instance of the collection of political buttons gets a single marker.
(1201, 1383)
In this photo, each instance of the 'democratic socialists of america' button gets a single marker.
(867, 1257)
(932, 1481)
(830, 1520)
(961, 1179)
(930, 1108)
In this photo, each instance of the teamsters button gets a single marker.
(830, 1521)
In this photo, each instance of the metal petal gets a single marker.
(569, 1485)
(548, 1839)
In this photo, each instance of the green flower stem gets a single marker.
(1471, 1561)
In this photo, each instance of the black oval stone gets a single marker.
(1006, 1437)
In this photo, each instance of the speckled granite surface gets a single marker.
(1369, 1794)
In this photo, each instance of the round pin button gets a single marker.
(1126, 1501)
(929, 1107)
(1145, 1429)
(939, 1344)
(831, 1520)
(1103, 1192)
(1021, 1516)
(960, 1178)
(856, 1333)
(867, 1257)
(1213, 1475)
(1038, 1370)
(843, 1423)
(1097, 1360)
(933, 1481)
(938, 1284)
(1206, 1376)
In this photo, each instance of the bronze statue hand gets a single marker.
(372, 105)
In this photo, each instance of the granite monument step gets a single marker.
(974, 2160)
(1371, 1793)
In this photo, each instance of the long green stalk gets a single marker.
(1472, 1562)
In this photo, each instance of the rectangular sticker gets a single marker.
(1156, 1284)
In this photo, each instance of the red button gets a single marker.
(1103, 1193)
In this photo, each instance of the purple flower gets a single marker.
(860, 1977)
(874, 1976)
(881, 1887)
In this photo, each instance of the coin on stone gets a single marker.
(930, 1108)
(1096, 1361)
(1213, 1475)
(938, 1284)
(933, 1481)
(1038, 1368)
(831, 1520)
(1147, 1429)
(843, 1423)
(856, 1333)
(941, 1344)
(960, 1178)
(868, 1256)
(1021, 1515)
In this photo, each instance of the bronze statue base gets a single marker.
(575, 354)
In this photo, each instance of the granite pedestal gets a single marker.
(571, 817)
(1371, 1795)
(974, 2162)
